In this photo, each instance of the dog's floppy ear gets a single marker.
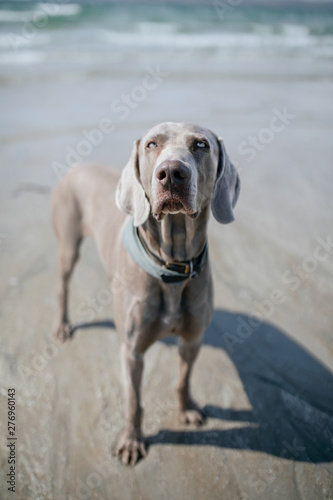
(227, 187)
(130, 195)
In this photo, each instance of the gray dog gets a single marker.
(156, 256)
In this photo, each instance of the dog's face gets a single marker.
(178, 167)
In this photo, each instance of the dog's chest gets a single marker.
(171, 310)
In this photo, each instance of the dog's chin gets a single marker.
(173, 206)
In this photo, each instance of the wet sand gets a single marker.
(266, 387)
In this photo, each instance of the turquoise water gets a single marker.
(78, 33)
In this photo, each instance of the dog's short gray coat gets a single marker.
(177, 173)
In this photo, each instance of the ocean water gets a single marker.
(68, 37)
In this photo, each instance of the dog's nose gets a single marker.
(173, 172)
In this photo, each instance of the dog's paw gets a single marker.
(190, 413)
(195, 417)
(131, 448)
(63, 332)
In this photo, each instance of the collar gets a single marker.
(167, 271)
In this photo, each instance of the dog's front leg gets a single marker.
(189, 411)
(131, 445)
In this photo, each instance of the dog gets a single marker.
(150, 226)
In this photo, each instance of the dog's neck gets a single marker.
(176, 237)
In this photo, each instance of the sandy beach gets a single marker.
(264, 375)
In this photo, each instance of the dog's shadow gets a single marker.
(290, 391)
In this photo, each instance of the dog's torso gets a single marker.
(149, 308)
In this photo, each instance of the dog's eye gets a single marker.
(151, 145)
(201, 144)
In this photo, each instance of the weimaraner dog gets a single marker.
(154, 249)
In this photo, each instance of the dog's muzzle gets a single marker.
(172, 180)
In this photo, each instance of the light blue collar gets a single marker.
(164, 271)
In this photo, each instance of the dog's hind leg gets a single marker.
(68, 228)
(189, 412)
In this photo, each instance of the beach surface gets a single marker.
(264, 374)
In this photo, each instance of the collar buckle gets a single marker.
(184, 267)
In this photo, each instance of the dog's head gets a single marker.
(178, 167)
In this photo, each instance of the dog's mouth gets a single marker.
(173, 205)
